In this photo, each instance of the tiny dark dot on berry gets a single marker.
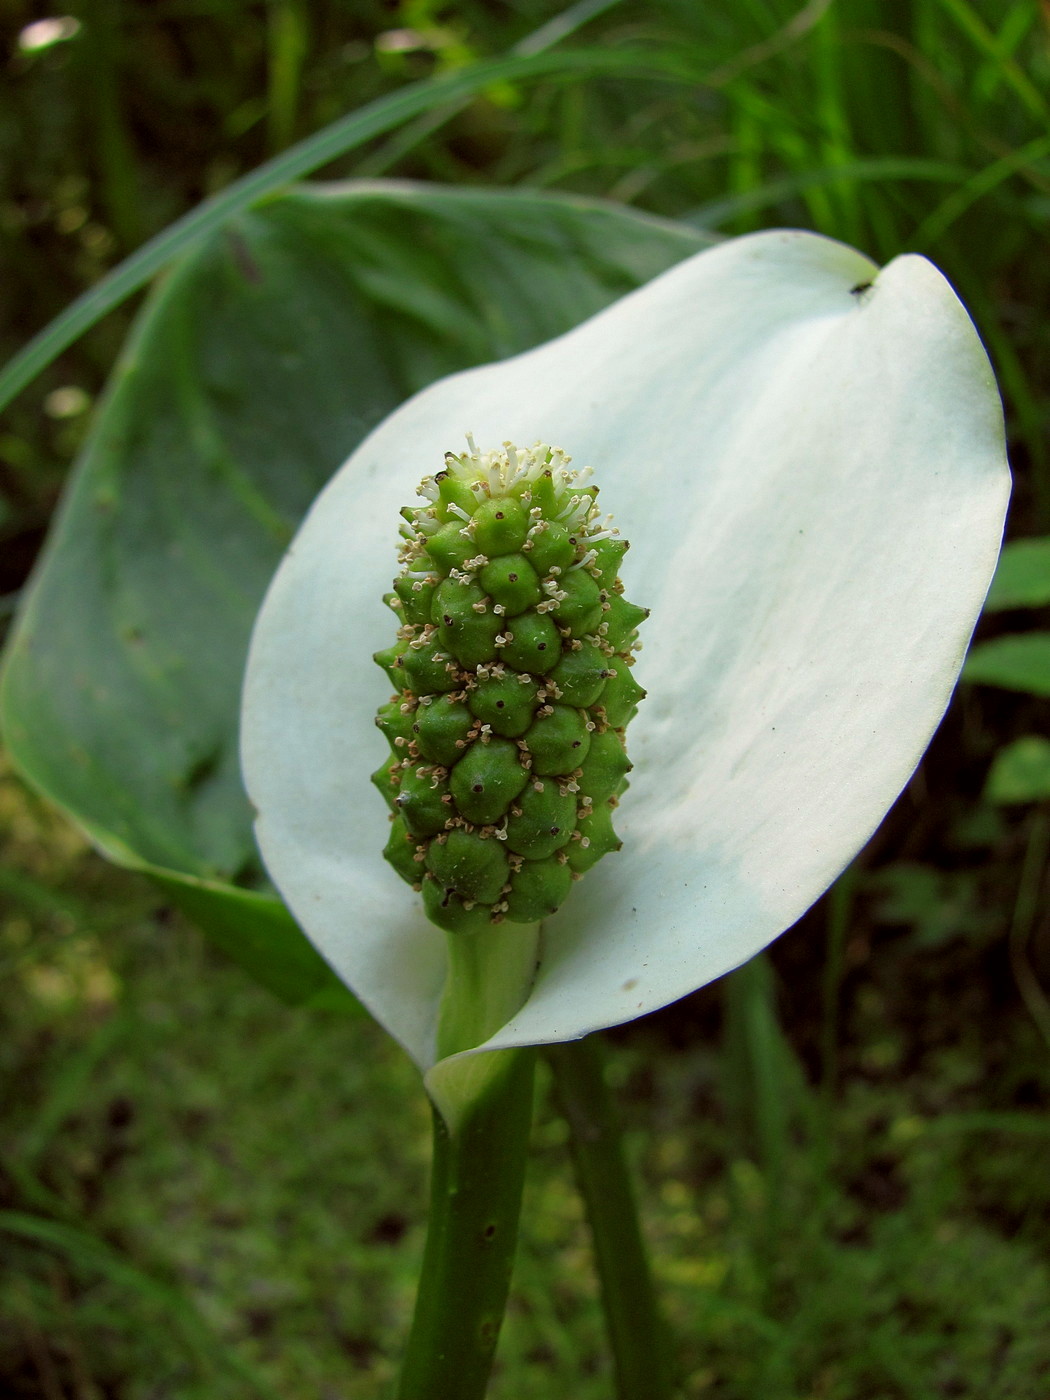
(555, 830)
(512, 578)
(499, 704)
(478, 787)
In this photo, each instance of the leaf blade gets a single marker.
(1018, 661)
(256, 367)
(1022, 579)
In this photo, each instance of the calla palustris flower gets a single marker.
(807, 455)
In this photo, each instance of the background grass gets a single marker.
(842, 1150)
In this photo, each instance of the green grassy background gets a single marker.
(841, 1152)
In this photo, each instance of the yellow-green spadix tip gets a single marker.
(512, 672)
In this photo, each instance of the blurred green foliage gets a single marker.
(848, 1199)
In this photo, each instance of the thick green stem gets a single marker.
(482, 1115)
(636, 1331)
(489, 978)
(475, 1200)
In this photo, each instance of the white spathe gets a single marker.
(813, 480)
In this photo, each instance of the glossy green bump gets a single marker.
(511, 671)
(428, 669)
(501, 525)
(476, 867)
(400, 851)
(391, 660)
(533, 644)
(455, 499)
(594, 838)
(449, 547)
(506, 702)
(558, 739)
(387, 779)
(579, 602)
(467, 626)
(542, 820)
(604, 770)
(421, 801)
(621, 621)
(513, 583)
(487, 779)
(455, 601)
(441, 729)
(395, 720)
(416, 597)
(452, 912)
(622, 694)
(537, 889)
(607, 556)
(580, 675)
(550, 546)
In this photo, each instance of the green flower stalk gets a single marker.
(512, 671)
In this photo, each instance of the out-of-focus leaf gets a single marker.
(1021, 771)
(258, 365)
(1022, 579)
(936, 905)
(1015, 662)
(257, 931)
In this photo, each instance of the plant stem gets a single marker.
(475, 1199)
(641, 1352)
(482, 1116)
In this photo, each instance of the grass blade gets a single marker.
(343, 135)
(85, 1250)
(936, 224)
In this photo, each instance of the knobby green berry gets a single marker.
(512, 669)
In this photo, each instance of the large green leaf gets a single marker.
(257, 366)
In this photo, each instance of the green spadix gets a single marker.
(509, 588)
